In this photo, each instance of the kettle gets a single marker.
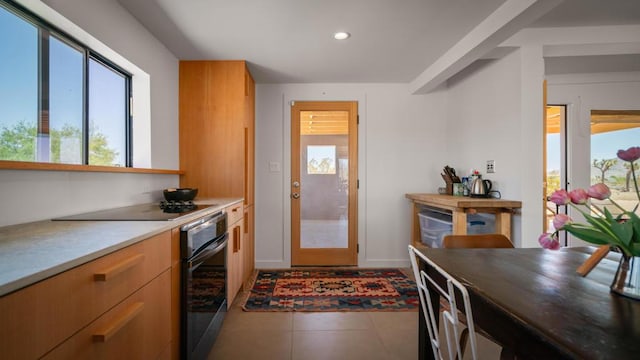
(479, 187)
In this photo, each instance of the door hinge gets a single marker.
(358, 248)
(358, 184)
(292, 103)
(358, 119)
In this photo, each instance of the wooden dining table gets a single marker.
(533, 302)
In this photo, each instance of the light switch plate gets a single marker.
(274, 166)
(491, 166)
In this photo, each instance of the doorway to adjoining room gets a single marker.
(324, 183)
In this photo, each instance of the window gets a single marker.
(107, 107)
(321, 159)
(612, 130)
(65, 103)
(60, 102)
(18, 87)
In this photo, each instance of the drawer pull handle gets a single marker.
(119, 323)
(118, 268)
(236, 239)
(235, 209)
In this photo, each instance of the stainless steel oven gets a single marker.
(204, 278)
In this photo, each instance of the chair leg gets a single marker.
(507, 354)
(464, 336)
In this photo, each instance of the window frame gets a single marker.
(127, 104)
(46, 30)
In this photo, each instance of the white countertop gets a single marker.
(35, 251)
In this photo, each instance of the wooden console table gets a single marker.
(460, 206)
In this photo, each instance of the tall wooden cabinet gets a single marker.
(217, 127)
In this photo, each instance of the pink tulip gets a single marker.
(599, 191)
(560, 220)
(578, 196)
(631, 154)
(549, 241)
(560, 197)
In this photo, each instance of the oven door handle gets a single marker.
(198, 225)
(207, 252)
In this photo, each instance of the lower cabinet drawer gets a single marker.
(234, 213)
(137, 328)
(39, 317)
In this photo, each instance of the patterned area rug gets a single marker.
(332, 290)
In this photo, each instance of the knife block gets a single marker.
(448, 183)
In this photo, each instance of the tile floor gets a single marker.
(309, 336)
(323, 335)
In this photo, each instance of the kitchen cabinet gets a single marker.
(114, 305)
(176, 293)
(235, 251)
(249, 247)
(137, 328)
(216, 108)
(217, 137)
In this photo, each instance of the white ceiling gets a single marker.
(290, 41)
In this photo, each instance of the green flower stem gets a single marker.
(618, 205)
(604, 228)
(594, 206)
(635, 181)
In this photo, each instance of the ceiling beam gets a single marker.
(591, 49)
(580, 41)
(582, 35)
(503, 23)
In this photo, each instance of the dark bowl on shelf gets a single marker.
(180, 194)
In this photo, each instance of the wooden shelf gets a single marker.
(460, 206)
(24, 165)
(451, 202)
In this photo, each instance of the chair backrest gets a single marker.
(476, 241)
(426, 286)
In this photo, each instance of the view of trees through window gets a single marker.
(58, 103)
(610, 132)
(321, 159)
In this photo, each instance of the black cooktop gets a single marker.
(144, 212)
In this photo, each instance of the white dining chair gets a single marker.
(451, 321)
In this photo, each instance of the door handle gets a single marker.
(295, 196)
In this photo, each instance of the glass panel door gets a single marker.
(556, 164)
(324, 159)
(323, 193)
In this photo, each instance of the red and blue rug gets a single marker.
(332, 290)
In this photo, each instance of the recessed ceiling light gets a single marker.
(341, 35)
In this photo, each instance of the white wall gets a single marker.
(486, 120)
(35, 195)
(110, 23)
(494, 112)
(401, 150)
